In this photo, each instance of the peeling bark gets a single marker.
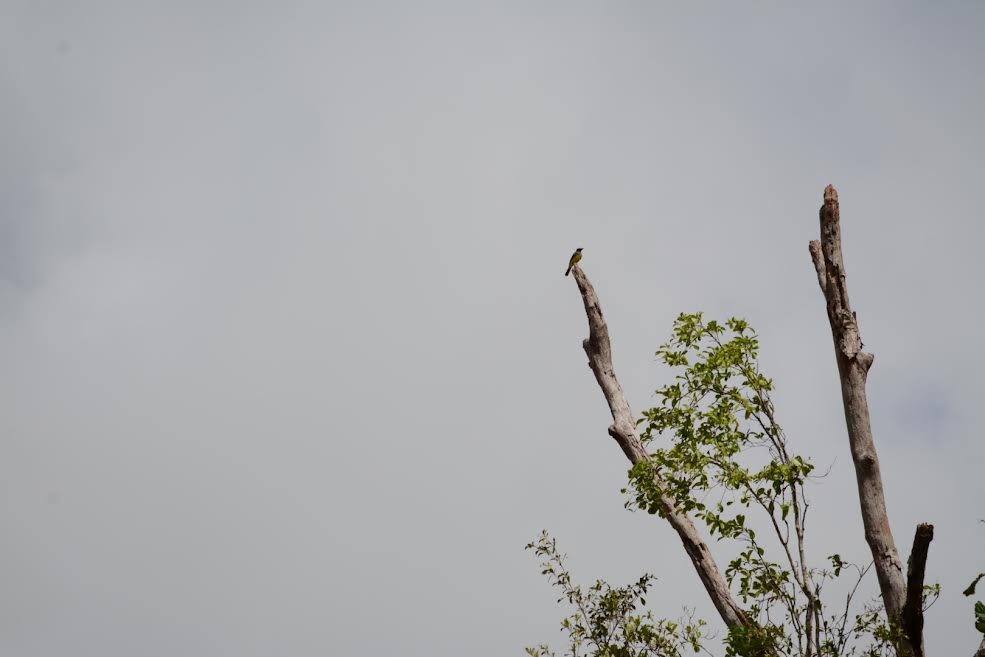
(623, 430)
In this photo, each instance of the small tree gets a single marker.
(716, 428)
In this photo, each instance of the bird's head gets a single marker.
(578, 250)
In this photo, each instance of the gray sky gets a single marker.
(289, 366)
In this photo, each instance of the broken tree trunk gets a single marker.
(915, 569)
(853, 369)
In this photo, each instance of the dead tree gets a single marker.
(902, 595)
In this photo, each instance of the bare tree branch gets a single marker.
(916, 567)
(623, 430)
(981, 649)
(853, 368)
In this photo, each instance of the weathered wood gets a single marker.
(623, 430)
(853, 368)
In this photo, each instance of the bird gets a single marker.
(575, 257)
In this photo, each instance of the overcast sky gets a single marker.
(288, 366)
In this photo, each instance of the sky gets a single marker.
(288, 365)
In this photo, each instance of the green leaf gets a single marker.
(980, 616)
(971, 587)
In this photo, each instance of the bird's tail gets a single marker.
(569, 270)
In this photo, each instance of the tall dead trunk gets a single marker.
(853, 369)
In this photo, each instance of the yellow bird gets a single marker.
(575, 257)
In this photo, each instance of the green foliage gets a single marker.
(971, 587)
(725, 441)
(872, 624)
(754, 640)
(979, 605)
(606, 622)
(718, 454)
(722, 457)
(719, 412)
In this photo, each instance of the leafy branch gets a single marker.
(606, 622)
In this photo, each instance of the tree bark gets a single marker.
(916, 567)
(853, 368)
(623, 430)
